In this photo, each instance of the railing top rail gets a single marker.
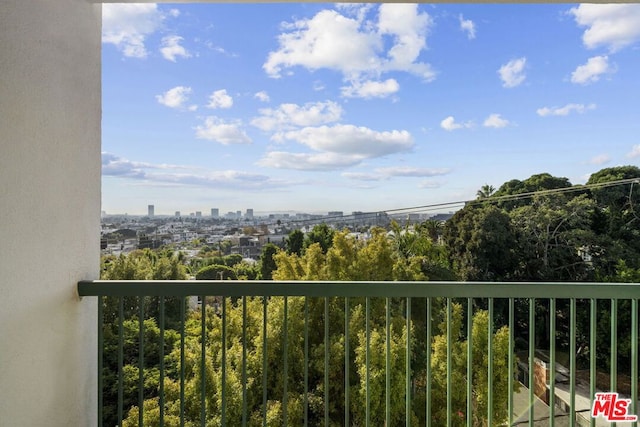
(238, 288)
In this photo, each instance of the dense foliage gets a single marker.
(539, 229)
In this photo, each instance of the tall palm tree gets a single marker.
(485, 191)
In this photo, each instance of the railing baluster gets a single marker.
(592, 352)
(572, 360)
(223, 393)
(490, 363)
(428, 362)
(306, 361)
(203, 381)
(141, 361)
(161, 361)
(388, 363)
(613, 372)
(182, 362)
(407, 374)
(367, 367)
(100, 359)
(552, 361)
(510, 359)
(469, 362)
(285, 366)
(532, 334)
(120, 358)
(346, 361)
(264, 361)
(634, 357)
(326, 361)
(449, 354)
(244, 360)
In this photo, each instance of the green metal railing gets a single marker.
(558, 318)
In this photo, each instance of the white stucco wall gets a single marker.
(49, 210)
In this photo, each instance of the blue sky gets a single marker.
(323, 107)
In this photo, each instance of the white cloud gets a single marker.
(495, 121)
(400, 171)
(171, 48)
(176, 98)
(262, 96)
(355, 47)
(287, 116)
(356, 10)
(127, 26)
(409, 171)
(592, 70)
(564, 111)
(336, 147)
(450, 124)
(218, 130)
(371, 89)
(600, 159)
(318, 86)
(468, 26)
(220, 99)
(612, 25)
(352, 140)
(635, 152)
(154, 174)
(308, 161)
(113, 165)
(409, 29)
(328, 40)
(430, 184)
(363, 176)
(512, 73)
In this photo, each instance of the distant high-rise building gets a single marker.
(238, 214)
(198, 214)
(215, 212)
(335, 213)
(177, 214)
(249, 214)
(151, 210)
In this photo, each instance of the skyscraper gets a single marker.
(215, 213)
(151, 211)
(249, 214)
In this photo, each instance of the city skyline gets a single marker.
(324, 107)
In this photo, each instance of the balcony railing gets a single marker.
(363, 353)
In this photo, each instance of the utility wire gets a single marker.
(462, 203)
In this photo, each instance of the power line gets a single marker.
(461, 203)
(527, 195)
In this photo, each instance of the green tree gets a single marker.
(485, 191)
(553, 230)
(321, 234)
(617, 219)
(138, 265)
(538, 182)
(480, 241)
(267, 263)
(432, 228)
(216, 272)
(348, 259)
(294, 243)
(480, 363)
